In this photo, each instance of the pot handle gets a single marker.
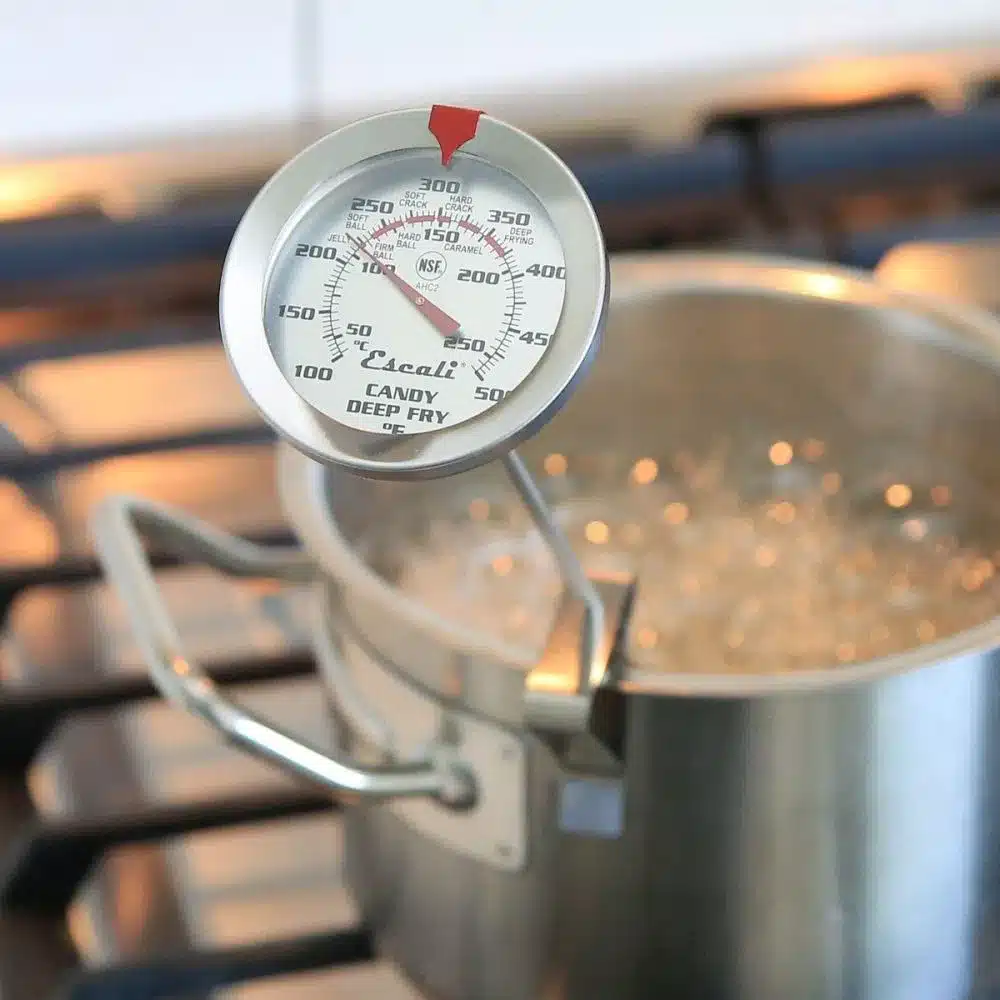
(119, 525)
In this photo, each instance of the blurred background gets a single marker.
(132, 137)
(114, 75)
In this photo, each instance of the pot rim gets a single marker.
(635, 278)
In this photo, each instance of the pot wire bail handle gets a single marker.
(119, 525)
(564, 714)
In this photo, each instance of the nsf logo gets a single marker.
(431, 265)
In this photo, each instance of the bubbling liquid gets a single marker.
(808, 573)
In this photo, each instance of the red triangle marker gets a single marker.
(452, 127)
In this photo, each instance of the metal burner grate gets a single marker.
(44, 861)
(48, 858)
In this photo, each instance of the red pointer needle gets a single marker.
(439, 319)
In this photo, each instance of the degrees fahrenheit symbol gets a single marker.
(440, 320)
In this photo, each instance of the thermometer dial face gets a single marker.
(411, 297)
(415, 293)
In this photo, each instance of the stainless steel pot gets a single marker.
(822, 833)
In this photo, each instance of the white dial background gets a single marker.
(470, 239)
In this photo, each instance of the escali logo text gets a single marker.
(373, 360)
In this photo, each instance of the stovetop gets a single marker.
(261, 887)
(139, 857)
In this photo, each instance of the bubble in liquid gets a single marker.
(479, 510)
(502, 565)
(780, 453)
(727, 582)
(898, 495)
(596, 532)
(783, 512)
(644, 471)
(555, 465)
(675, 513)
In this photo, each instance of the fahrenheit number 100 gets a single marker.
(321, 372)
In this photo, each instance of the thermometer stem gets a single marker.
(573, 574)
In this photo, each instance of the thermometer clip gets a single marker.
(452, 127)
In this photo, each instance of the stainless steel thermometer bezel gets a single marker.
(290, 193)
